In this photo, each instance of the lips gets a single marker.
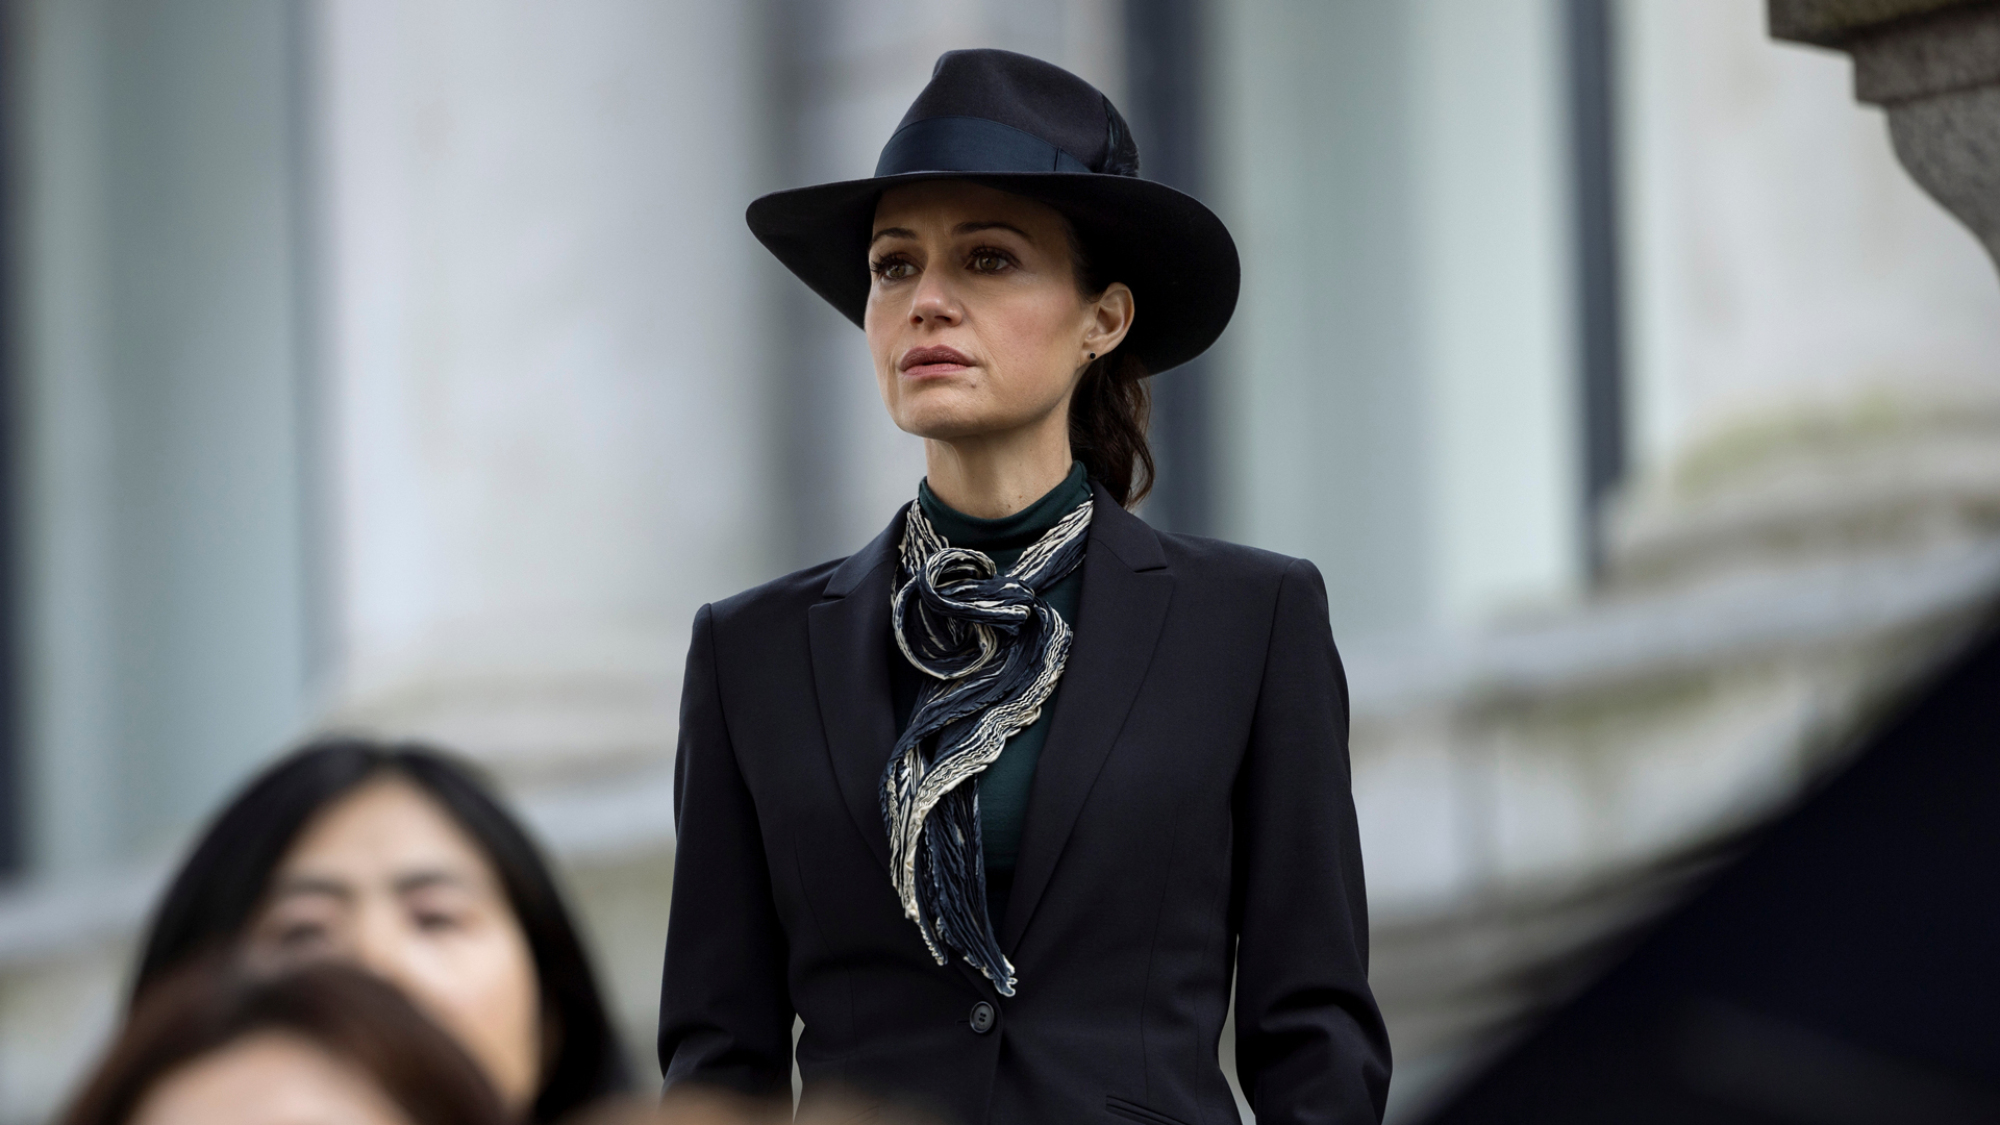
(933, 360)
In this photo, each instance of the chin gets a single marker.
(944, 416)
(942, 425)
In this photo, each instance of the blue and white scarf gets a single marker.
(992, 651)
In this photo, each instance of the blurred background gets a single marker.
(405, 366)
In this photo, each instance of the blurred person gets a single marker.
(690, 1104)
(398, 859)
(324, 1045)
(998, 804)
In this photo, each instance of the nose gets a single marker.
(934, 301)
(380, 947)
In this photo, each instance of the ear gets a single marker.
(1110, 319)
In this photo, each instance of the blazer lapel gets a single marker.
(849, 630)
(1126, 588)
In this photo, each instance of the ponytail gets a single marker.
(1107, 426)
(1112, 406)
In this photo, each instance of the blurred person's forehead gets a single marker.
(267, 1078)
(388, 830)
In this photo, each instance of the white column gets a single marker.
(1496, 300)
(163, 619)
(1316, 378)
(1398, 381)
(545, 365)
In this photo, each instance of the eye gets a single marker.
(300, 925)
(437, 921)
(893, 268)
(988, 260)
(441, 910)
(301, 937)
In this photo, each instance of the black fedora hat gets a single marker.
(1025, 126)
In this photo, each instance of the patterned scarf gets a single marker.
(992, 650)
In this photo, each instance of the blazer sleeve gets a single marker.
(725, 1010)
(1310, 1043)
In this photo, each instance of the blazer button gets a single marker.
(983, 1017)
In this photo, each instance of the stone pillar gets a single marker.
(543, 384)
(545, 373)
(152, 255)
(1935, 66)
(1394, 391)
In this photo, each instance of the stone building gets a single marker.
(407, 367)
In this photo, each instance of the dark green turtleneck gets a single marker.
(1003, 788)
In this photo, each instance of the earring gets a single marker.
(1093, 355)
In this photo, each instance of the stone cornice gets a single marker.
(1833, 23)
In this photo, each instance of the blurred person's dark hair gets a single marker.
(698, 1104)
(356, 1018)
(217, 892)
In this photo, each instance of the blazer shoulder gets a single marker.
(1250, 583)
(778, 599)
(1200, 556)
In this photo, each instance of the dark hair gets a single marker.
(351, 1015)
(217, 891)
(1113, 403)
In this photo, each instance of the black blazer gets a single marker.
(1190, 814)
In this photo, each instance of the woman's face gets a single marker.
(269, 1078)
(385, 878)
(974, 318)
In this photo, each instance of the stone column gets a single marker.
(1935, 66)
(543, 371)
(544, 385)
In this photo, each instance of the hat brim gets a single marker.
(1174, 253)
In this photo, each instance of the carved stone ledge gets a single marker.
(1935, 66)
(1833, 23)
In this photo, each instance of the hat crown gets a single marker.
(1035, 97)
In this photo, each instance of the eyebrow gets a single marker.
(318, 886)
(962, 228)
(994, 224)
(424, 880)
(299, 885)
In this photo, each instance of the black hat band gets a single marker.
(970, 144)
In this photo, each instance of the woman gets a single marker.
(999, 803)
(325, 1044)
(395, 858)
